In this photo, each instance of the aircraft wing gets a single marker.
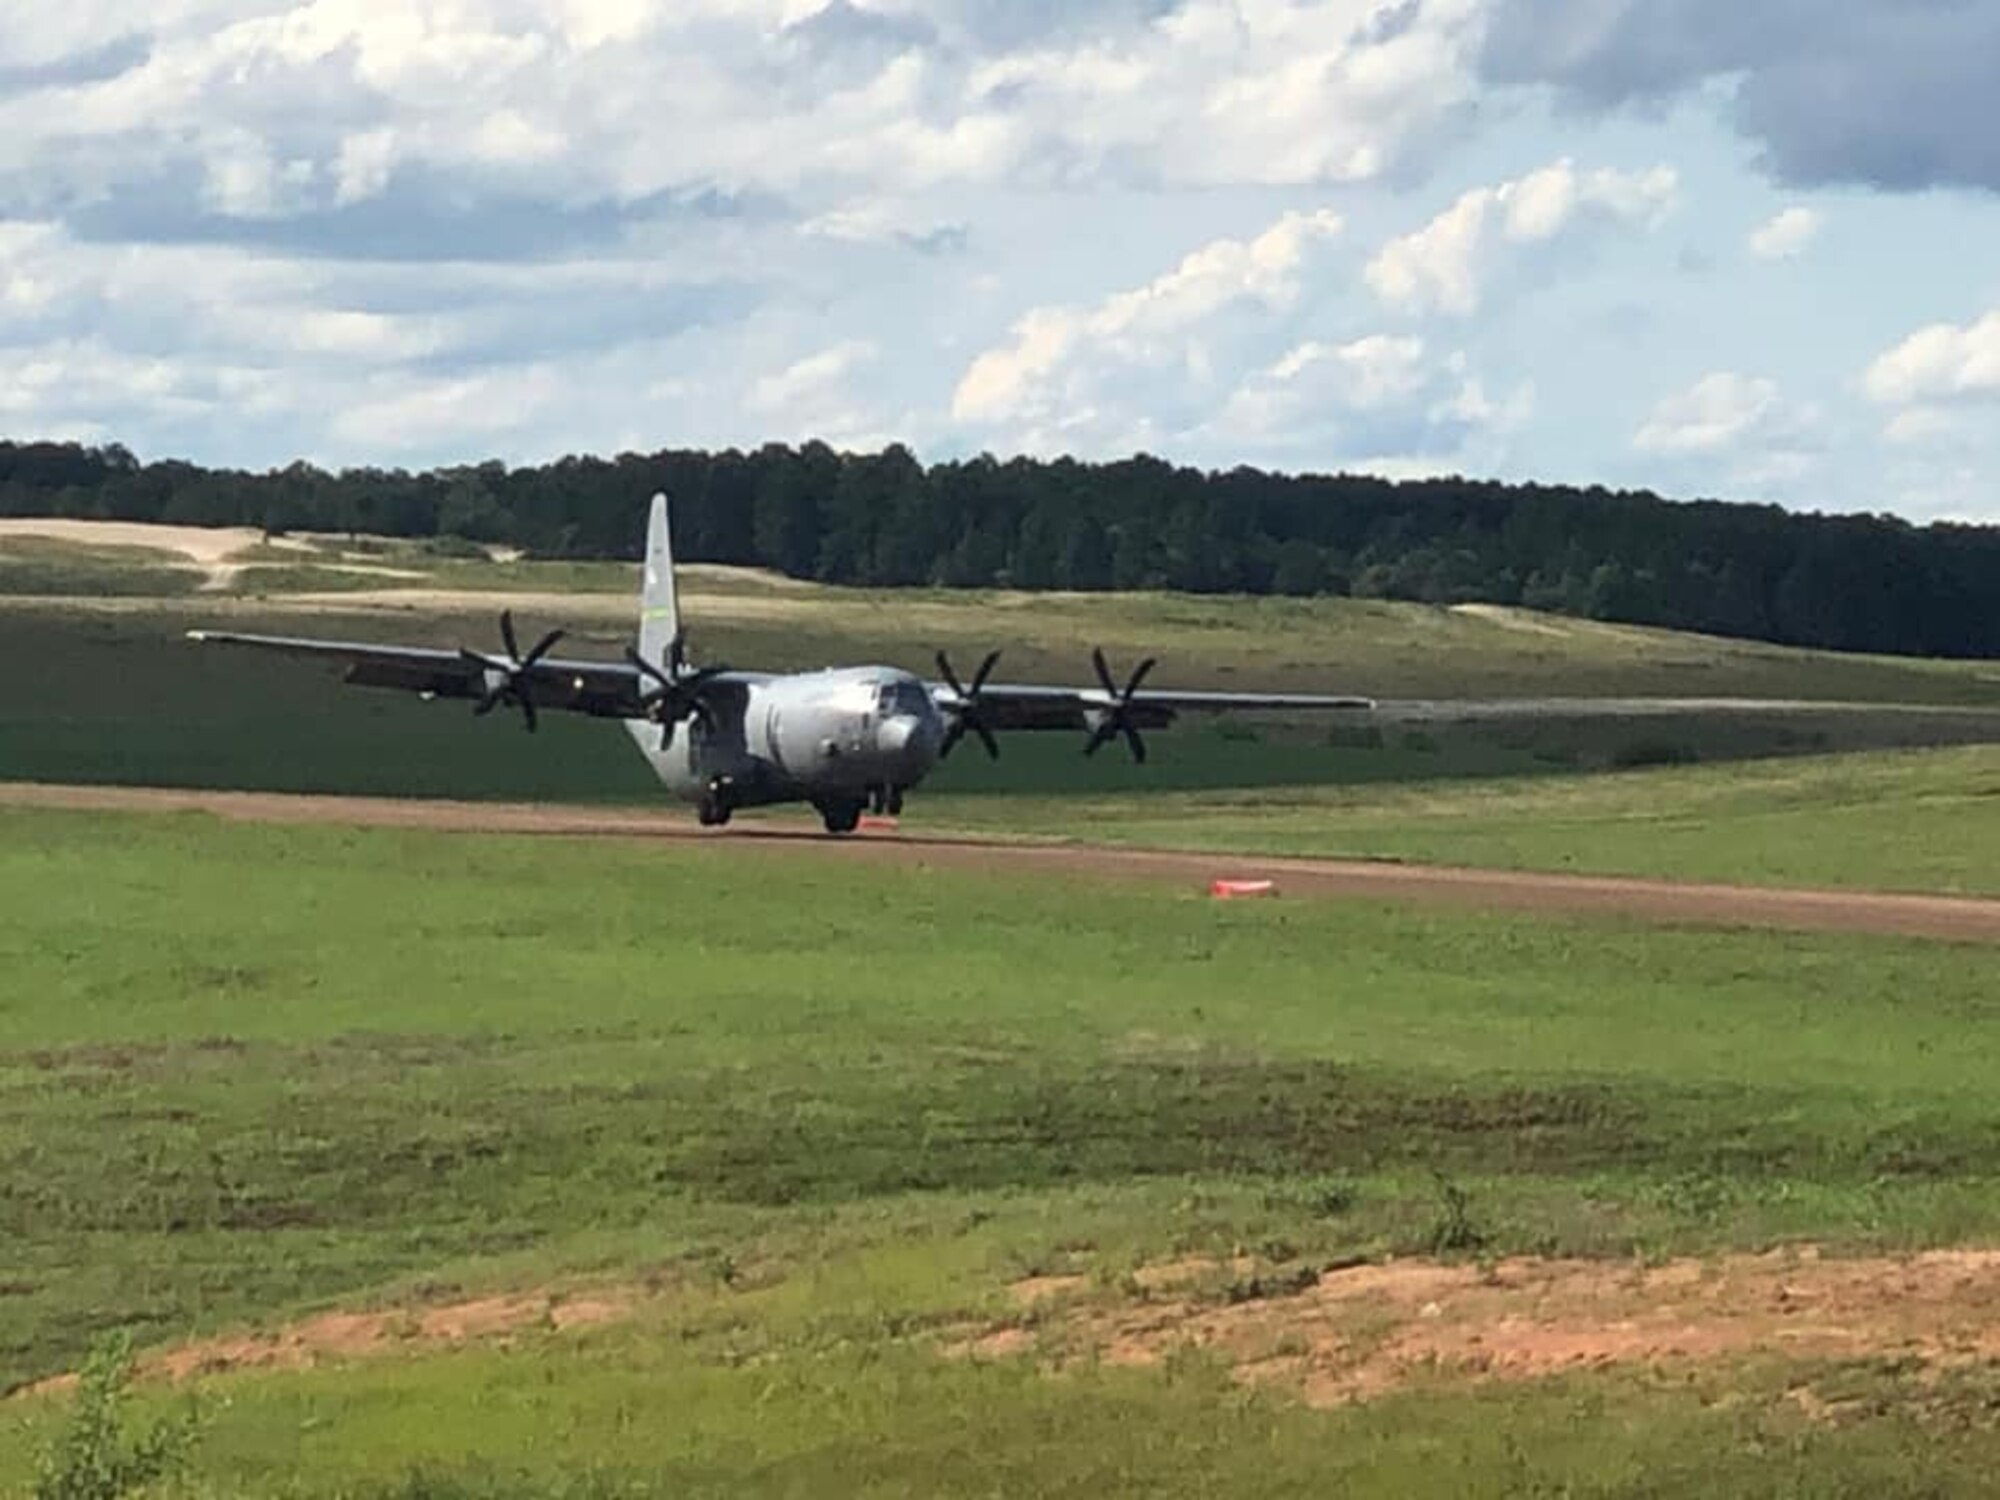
(1021, 706)
(603, 689)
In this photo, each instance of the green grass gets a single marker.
(826, 1109)
(1914, 820)
(686, 1410)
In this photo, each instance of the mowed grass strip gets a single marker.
(243, 1070)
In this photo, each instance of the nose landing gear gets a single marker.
(843, 816)
(886, 799)
(718, 802)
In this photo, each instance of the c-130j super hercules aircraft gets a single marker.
(846, 739)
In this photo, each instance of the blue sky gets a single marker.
(1701, 246)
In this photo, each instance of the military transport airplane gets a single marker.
(847, 739)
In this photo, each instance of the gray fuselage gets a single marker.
(821, 737)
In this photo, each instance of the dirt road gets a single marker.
(1955, 918)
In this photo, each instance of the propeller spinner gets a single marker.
(966, 715)
(510, 680)
(677, 692)
(1117, 718)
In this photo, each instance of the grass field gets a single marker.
(814, 1117)
(117, 694)
(117, 697)
(1915, 820)
(1377, 647)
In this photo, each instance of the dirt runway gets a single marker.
(1953, 918)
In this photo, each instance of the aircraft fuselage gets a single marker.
(840, 739)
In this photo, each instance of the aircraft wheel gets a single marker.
(895, 803)
(842, 817)
(714, 814)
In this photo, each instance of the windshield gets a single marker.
(902, 698)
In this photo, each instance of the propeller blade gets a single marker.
(542, 648)
(965, 715)
(646, 668)
(950, 677)
(527, 711)
(985, 671)
(1103, 670)
(507, 634)
(1117, 719)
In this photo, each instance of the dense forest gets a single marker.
(1849, 582)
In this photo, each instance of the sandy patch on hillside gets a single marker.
(1509, 618)
(209, 548)
(213, 549)
(1368, 1330)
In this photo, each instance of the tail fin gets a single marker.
(659, 610)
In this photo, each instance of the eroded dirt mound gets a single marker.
(348, 1335)
(1366, 1330)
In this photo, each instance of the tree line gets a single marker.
(1861, 582)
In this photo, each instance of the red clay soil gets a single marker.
(1957, 918)
(353, 1335)
(1341, 1336)
(1367, 1330)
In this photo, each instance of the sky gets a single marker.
(1704, 247)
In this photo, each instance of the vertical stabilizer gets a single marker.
(659, 609)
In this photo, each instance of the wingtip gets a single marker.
(197, 635)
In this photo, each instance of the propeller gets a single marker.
(515, 672)
(967, 715)
(1117, 718)
(677, 691)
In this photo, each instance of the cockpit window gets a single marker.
(901, 698)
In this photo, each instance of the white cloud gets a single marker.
(1717, 412)
(1943, 362)
(1381, 401)
(362, 164)
(826, 395)
(618, 100)
(1918, 425)
(1235, 351)
(1933, 377)
(1438, 266)
(249, 229)
(416, 414)
(1786, 235)
(1740, 429)
(1067, 369)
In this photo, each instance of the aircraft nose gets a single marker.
(907, 740)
